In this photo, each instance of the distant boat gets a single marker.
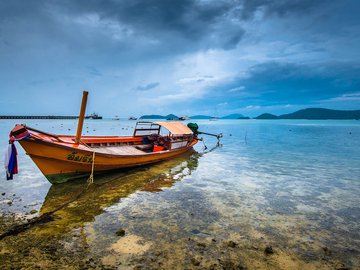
(93, 116)
(132, 118)
(116, 118)
(183, 118)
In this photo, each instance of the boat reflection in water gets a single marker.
(88, 202)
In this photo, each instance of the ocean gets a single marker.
(275, 194)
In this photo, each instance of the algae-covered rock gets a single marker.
(269, 250)
(120, 232)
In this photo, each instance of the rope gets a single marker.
(205, 147)
(206, 150)
(91, 177)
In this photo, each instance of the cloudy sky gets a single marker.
(178, 56)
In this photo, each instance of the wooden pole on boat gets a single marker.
(81, 117)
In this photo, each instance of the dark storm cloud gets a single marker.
(290, 49)
(181, 23)
(121, 31)
(280, 7)
(296, 84)
(282, 88)
(171, 27)
(185, 17)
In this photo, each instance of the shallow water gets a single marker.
(292, 185)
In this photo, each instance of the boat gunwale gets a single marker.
(90, 151)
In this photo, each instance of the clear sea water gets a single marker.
(290, 185)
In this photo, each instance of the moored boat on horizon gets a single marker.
(93, 116)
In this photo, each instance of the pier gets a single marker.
(36, 117)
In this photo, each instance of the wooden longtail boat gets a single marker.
(62, 157)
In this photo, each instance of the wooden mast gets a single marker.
(81, 117)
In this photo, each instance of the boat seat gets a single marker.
(114, 139)
(119, 150)
(144, 147)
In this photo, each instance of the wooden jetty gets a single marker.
(37, 117)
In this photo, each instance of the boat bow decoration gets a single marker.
(11, 165)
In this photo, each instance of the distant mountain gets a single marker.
(311, 114)
(171, 116)
(156, 116)
(321, 114)
(200, 117)
(235, 116)
(266, 116)
(151, 116)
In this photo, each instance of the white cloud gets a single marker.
(270, 107)
(345, 97)
(177, 97)
(237, 89)
(196, 79)
(252, 107)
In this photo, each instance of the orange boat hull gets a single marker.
(61, 163)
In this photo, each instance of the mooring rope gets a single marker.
(206, 149)
(91, 177)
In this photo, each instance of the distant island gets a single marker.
(307, 114)
(315, 114)
(205, 117)
(156, 116)
(266, 116)
(235, 116)
(201, 117)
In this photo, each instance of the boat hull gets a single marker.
(61, 163)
